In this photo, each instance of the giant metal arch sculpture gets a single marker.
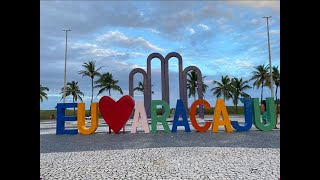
(199, 85)
(145, 82)
(165, 81)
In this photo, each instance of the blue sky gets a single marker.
(219, 37)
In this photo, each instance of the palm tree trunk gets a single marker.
(110, 92)
(276, 93)
(236, 108)
(261, 92)
(74, 109)
(277, 105)
(91, 94)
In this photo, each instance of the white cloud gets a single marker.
(243, 64)
(120, 39)
(113, 34)
(209, 81)
(223, 25)
(137, 66)
(93, 49)
(86, 98)
(83, 46)
(105, 52)
(136, 54)
(204, 27)
(153, 30)
(220, 60)
(275, 5)
(221, 21)
(253, 49)
(123, 63)
(191, 30)
(54, 95)
(254, 21)
(275, 31)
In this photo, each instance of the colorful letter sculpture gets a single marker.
(180, 111)
(116, 113)
(61, 118)
(247, 116)
(82, 118)
(193, 120)
(143, 122)
(163, 119)
(218, 111)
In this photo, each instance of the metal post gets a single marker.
(271, 76)
(65, 68)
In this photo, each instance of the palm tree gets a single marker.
(42, 92)
(224, 88)
(275, 78)
(276, 81)
(238, 86)
(106, 83)
(204, 87)
(260, 76)
(192, 84)
(140, 87)
(74, 90)
(91, 71)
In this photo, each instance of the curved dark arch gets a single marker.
(181, 87)
(199, 78)
(144, 74)
(148, 93)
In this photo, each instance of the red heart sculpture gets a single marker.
(116, 113)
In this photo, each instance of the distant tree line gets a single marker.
(228, 88)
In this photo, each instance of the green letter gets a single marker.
(271, 119)
(162, 119)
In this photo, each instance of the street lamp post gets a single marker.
(65, 67)
(271, 77)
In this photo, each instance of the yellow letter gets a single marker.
(81, 118)
(221, 109)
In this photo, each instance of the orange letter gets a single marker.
(81, 118)
(193, 115)
(221, 109)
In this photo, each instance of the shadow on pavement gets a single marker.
(103, 141)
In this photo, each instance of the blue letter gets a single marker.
(180, 110)
(61, 118)
(247, 116)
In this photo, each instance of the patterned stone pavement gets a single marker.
(237, 155)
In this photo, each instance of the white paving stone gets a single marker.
(163, 163)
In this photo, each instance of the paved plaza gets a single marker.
(237, 155)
